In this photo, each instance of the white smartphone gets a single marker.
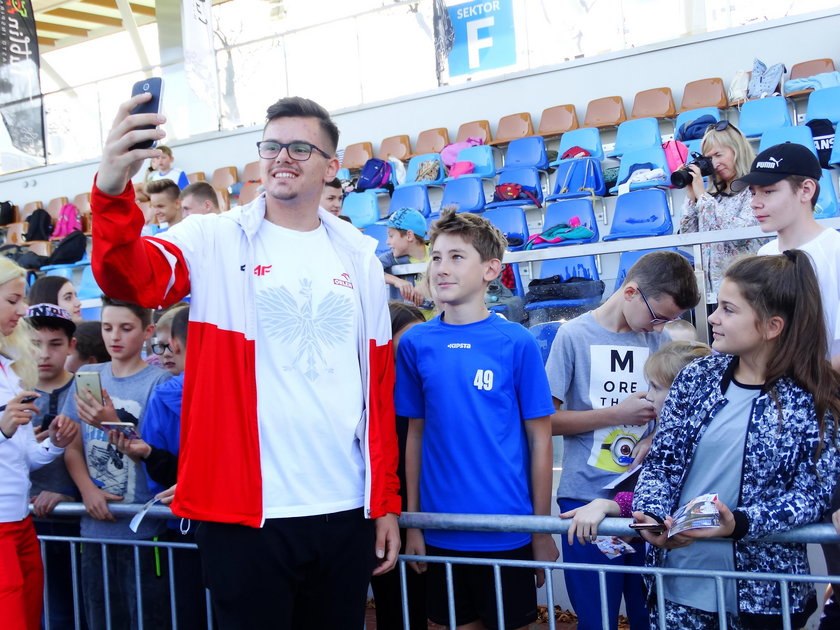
(89, 380)
(154, 86)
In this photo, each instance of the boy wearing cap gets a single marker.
(407, 240)
(52, 335)
(784, 181)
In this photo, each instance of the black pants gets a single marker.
(291, 570)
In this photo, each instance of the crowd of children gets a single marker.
(648, 424)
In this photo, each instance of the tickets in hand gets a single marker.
(699, 512)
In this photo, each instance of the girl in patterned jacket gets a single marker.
(757, 425)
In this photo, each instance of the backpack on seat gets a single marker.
(38, 226)
(375, 173)
(68, 221)
(70, 250)
(7, 213)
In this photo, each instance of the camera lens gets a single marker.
(681, 178)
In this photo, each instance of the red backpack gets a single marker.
(68, 221)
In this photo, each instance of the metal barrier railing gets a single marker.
(815, 533)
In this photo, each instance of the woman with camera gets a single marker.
(727, 155)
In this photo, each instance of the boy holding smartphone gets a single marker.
(103, 474)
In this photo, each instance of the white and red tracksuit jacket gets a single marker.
(211, 257)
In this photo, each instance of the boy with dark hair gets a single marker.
(407, 240)
(333, 197)
(595, 368)
(88, 346)
(52, 335)
(199, 198)
(469, 377)
(785, 184)
(103, 474)
(163, 168)
(165, 201)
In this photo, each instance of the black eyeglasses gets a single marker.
(160, 348)
(297, 150)
(654, 320)
(721, 125)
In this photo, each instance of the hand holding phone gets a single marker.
(128, 429)
(653, 528)
(89, 381)
(153, 86)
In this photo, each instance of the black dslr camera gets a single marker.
(682, 176)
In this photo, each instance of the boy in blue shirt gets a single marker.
(596, 371)
(407, 240)
(479, 440)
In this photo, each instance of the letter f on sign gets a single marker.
(476, 43)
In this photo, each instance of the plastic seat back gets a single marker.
(467, 193)
(587, 138)
(654, 103)
(251, 172)
(482, 158)
(653, 158)
(761, 114)
(544, 334)
(578, 177)
(605, 112)
(641, 213)
(362, 208)
(824, 103)
(474, 129)
(704, 93)
(224, 177)
(528, 151)
(798, 135)
(379, 232)
(827, 201)
(640, 133)
(512, 223)
(563, 212)
(513, 126)
(413, 166)
(355, 155)
(431, 141)
(88, 288)
(807, 69)
(416, 197)
(395, 146)
(694, 114)
(557, 120)
(525, 177)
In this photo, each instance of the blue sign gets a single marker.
(484, 36)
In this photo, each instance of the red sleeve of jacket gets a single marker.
(384, 448)
(147, 271)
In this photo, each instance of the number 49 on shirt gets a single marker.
(483, 380)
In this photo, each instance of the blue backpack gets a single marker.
(375, 173)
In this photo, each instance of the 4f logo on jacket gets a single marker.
(262, 270)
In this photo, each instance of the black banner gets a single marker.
(21, 105)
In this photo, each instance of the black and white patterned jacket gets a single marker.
(782, 487)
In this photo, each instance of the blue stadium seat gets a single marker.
(416, 197)
(641, 133)
(628, 259)
(762, 114)
(694, 114)
(528, 151)
(545, 334)
(414, 164)
(379, 231)
(587, 138)
(343, 174)
(465, 192)
(513, 224)
(483, 160)
(824, 103)
(562, 212)
(362, 208)
(529, 177)
(88, 288)
(641, 213)
(653, 157)
(575, 267)
(575, 177)
(827, 201)
(798, 135)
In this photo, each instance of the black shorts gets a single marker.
(475, 591)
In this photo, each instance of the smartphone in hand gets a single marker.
(128, 429)
(89, 380)
(154, 86)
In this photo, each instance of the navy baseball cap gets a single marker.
(50, 315)
(778, 162)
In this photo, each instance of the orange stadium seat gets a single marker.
(704, 93)
(224, 177)
(474, 129)
(249, 192)
(806, 69)
(395, 146)
(251, 172)
(654, 103)
(431, 141)
(605, 112)
(557, 120)
(513, 127)
(355, 155)
(30, 207)
(198, 176)
(54, 207)
(14, 232)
